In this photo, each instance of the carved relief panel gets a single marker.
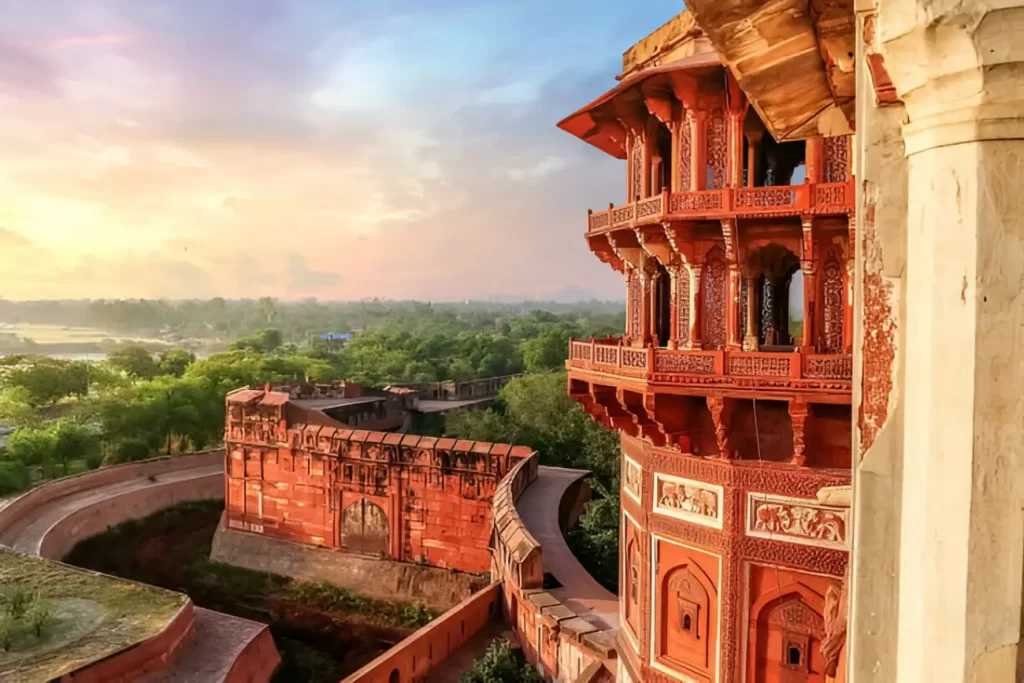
(636, 169)
(795, 520)
(682, 304)
(832, 303)
(837, 159)
(631, 477)
(718, 149)
(693, 501)
(713, 300)
(685, 156)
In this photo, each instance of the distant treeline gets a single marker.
(229, 319)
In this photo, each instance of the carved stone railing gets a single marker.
(783, 200)
(829, 372)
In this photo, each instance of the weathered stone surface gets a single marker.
(386, 579)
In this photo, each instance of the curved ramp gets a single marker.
(538, 507)
(49, 520)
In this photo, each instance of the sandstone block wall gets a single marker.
(385, 579)
(409, 498)
(414, 657)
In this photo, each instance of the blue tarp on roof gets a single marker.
(336, 336)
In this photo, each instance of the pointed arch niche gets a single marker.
(686, 610)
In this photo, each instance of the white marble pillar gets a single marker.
(959, 70)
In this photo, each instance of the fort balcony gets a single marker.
(822, 199)
(739, 373)
(737, 405)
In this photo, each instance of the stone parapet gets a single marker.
(417, 655)
(20, 509)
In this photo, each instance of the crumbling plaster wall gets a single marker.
(878, 381)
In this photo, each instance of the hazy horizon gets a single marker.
(185, 149)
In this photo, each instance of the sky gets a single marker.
(338, 149)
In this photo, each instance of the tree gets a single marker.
(501, 665)
(175, 362)
(16, 407)
(547, 351)
(75, 442)
(134, 361)
(46, 380)
(33, 447)
(14, 476)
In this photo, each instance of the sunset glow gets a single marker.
(405, 149)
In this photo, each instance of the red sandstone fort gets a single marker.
(771, 295)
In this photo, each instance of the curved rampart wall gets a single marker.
(550, 632)
(254, 661)
(97, 517)
(149, 655)
(22, 506)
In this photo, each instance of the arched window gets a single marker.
(779, 297)
(395, 677)
(687, 623)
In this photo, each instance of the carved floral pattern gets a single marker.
(837, 161)
(637, 169)
(694, 202)
(634, 358)
(718, 148)
(828, 367)
(687, 499)
(649, 207)
(684, 362)
(832, 304)
(795, 521)
(685, 155)
(714, 299)
(682, 282)
(765, 197)
(759, 366)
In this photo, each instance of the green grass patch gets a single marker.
(55, 619)
(323, 632)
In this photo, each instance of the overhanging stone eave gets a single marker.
(764, 44)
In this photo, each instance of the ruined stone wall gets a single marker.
(408, 498)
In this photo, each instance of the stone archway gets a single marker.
(365, 528)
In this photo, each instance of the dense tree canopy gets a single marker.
(74, 415)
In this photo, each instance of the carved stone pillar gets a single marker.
(732, 318)
(810, 287)
(750, 334)
(736, 149)
(959, 69)
(652, 278)
(695, 333)
(721, 410)
(807, 265)
(753, 146)
(697, 119)
(814, 159)
(798, 412)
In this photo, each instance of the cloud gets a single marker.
(96, 40)
(304, 280)
(306, 147)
